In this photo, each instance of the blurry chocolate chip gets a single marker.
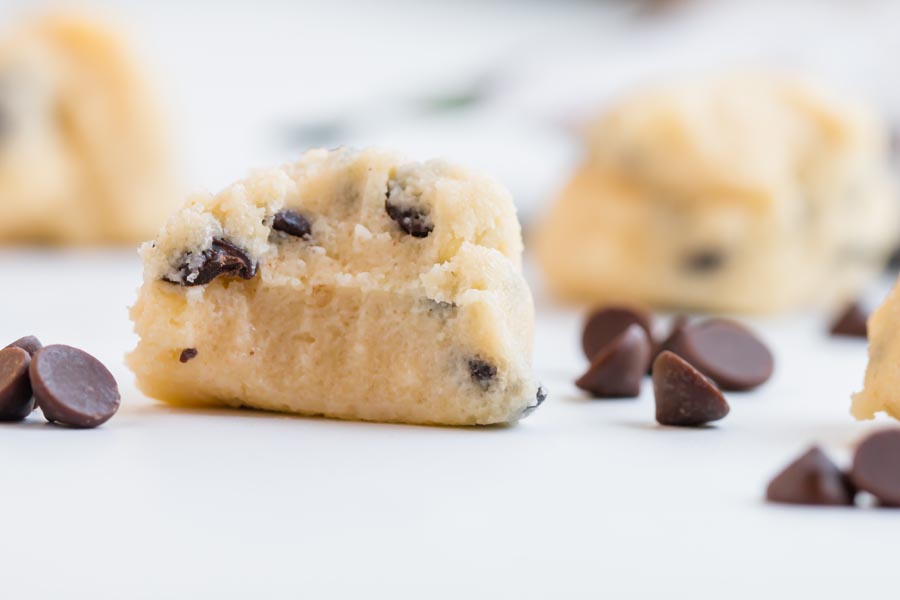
(223, 258)
(704, 262)
(411, 220)
(29, 344)
(606, 323)
(876, 466)
(187, 354)
(725, 351)
(292, 223)
(72, 387)
(619, 367)
(851, 322)
(811, 479)
(538, 400)
(482, 372)
(684, 396)
(15, 388)
(678, 323)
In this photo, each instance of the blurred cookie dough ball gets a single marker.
(751, 193)
(82, 157)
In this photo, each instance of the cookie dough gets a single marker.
(749, 193)
(82, 159)
(351, 284)
(881, 392)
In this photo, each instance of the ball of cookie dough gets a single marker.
(82, 157)
(351, 284)
(881, 391)
(749, 193)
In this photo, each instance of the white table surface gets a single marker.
(585, 499)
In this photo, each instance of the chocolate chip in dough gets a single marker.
(684, 396)
(29, 344)
(811, 479)
(606, 323)
(292, 223)
(222, 258)
(851, 322)
(876, 466)
(725, 351)
(619, 367)
(538, 400)
(187, 354)
(15, 388)
(410, 219)
(482, 372)
(72, 387)
(704, 262)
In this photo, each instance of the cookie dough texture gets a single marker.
(749, 193)
(881, 392)
(402, 300)
(82, 159)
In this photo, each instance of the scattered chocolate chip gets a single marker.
(292, 223)
(851, 322)
(187, 354)
(411, 220)
(606, 323)
(678, 324)
(684, 396)
(619, 367)
(876, 466)
(223, 258)
(15, 388)
(538, 400)
(72, 387)
(811, 479)
(726, 351)
(704, 262)
(29, 344)
(482, 372)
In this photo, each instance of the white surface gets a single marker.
(585, 499)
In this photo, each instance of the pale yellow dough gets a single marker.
(82, 156)
(881, 392)
(750, 193)
(358, 320)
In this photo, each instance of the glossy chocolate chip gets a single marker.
(725, 351)
(72, 387)
(704, 262)
(29, 344)
(482, 372)
(684, 396)
(606, 323)
(851, 322)
(15, 388)
(223, 258)
(538, 400)
(876, 466)
(292, 223)
(811, 479)
(411, 220)
(187, 354)
(619, 367)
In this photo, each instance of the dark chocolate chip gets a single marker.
(704, 262)
(538, 400)
(292, 223)
(851, 322)
(726, 351)
(72, 387)
(29, 344)
(619, 367)
(606, 323)
(187, 354)
(678, 324)
(223, 258)
(482, 372)
(411, 220)
(15, 388)
(811, 479)
(876, 466)
(684, 396)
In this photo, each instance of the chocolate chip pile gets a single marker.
(813, 479)
(690, 366)
(70, 386)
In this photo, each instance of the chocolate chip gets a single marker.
(482, 372)
(292, 223)
(187, 354)
(410, 219)
(876, 466)
(851, 322)
(223, 258)
(606, 323)
(684, 396)
(725, 351)
(704, 262)
(72, 387)
(811, 479)
(619, 367)
(678, 324)
(538, 400)
(29, 344)
(15, 388)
